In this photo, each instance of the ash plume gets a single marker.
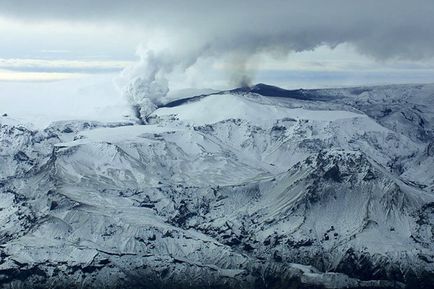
(145, 84)
(241, 68)
(384, 30)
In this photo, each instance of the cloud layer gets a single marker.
(384, 29)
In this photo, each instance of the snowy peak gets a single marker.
(274, 91)
(251, 107)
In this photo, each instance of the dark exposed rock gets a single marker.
(67, 130)
(333, 174)
(53, 205)
(21, 156)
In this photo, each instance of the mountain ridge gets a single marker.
(231, 190)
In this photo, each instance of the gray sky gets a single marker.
(305, 43)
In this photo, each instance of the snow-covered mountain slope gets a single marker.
(251, 188)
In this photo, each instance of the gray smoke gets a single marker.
(145, 84)
(240, 69)
(383, 29)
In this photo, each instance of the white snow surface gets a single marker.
(253, 108)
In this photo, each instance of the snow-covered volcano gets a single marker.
(249, 188)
